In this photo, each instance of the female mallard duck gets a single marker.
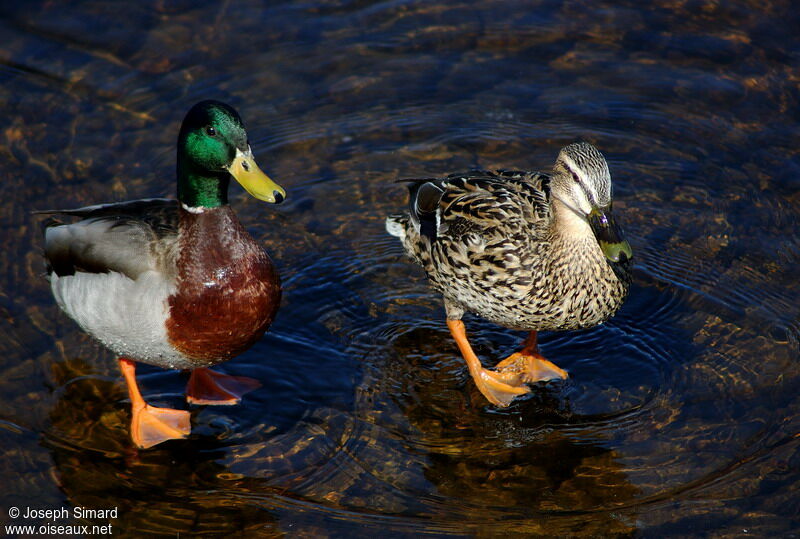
(525, 250)
(175, 283)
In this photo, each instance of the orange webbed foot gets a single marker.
(213, 388)
(509, 378)
(151, 425)
(528, 368)
(498, 388)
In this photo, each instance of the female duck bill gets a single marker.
(609, 236)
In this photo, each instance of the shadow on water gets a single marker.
(680, 414)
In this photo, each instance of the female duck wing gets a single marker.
(128, 237)
(479, 202)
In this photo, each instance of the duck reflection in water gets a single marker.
(515, 466)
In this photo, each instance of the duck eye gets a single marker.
(575, 177)
(211, 132)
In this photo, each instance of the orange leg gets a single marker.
(208, 387)
(151, 425)
(490, 383)
(509, 378)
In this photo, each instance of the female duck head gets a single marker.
(212, 146)
(581, 180)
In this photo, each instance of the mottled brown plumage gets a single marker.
(525, 250)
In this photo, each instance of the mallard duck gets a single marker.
(525, 250)
(175, 283)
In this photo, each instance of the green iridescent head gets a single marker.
(212, 147)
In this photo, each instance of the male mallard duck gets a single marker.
(175, 283)
(525, 250)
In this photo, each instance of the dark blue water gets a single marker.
(680, 415)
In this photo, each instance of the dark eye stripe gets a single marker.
(582, 187)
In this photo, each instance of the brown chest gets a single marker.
(228, 291)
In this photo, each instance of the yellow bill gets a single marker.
(253, 179)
